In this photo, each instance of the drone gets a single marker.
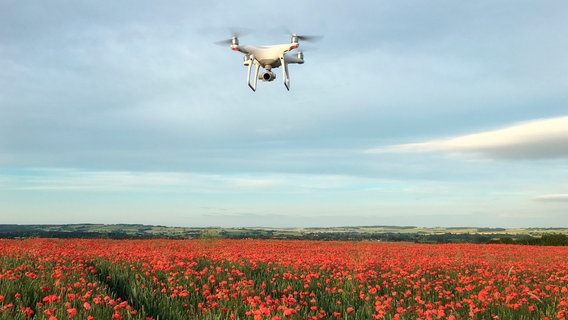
(269, 57)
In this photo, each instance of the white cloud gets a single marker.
(246, 182)
(538, 139)
(78, 180)
(553, 197)
(65, 179)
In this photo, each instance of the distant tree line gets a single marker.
(548, 239)
(72, 234)
(552, 239)
(91, 235)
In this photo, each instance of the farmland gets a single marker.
(279, 279)
(380, 233)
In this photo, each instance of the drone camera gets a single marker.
(267, 76)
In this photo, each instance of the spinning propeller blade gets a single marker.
(224, 42)
(300, 36)
(235, 33)
(309, 38)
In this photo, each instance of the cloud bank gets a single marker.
(553, 198)
(538, 139)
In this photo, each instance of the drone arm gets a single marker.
(285, 72)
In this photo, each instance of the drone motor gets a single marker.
(247, 60)
(300, 57)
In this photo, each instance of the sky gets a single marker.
(414, 113)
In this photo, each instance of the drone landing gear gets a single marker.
(266, 76)
(256, 68)
(285, 73)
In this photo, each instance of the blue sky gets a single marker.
(438, 113)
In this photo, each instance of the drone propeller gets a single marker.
(307, 38)
(235, 34)
(239, 32)
(233, 42)
(224, 42)
(296, 37)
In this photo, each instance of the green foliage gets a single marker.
(545, 237)
(549, 239)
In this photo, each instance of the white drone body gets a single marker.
(269, 57)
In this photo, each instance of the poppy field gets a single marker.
(278, 279)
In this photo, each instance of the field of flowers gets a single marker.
(271, 279)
